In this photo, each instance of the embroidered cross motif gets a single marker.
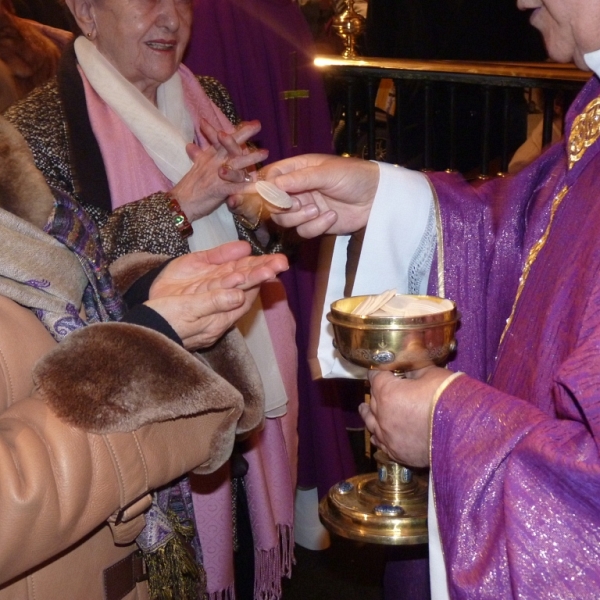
(293, 96)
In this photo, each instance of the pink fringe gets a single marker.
(286, 542)
(226, 594)
(271, 565)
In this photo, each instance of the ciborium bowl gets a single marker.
(394, 343)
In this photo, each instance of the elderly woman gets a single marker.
(152, 153)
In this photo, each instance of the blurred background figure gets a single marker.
(29, 53)
(48, 12)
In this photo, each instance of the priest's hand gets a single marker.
(331, 194)
(399, 414)
(203, 294)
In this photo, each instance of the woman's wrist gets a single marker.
(251, 223)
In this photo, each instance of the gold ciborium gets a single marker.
(390, 506)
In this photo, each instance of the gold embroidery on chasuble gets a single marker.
(584, 132)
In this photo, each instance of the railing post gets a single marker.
(395, 142)
(505, 131)
(549, 96)
(485, 134)
(428, 149)
(452, 126)
(351, 116)
(371, 117)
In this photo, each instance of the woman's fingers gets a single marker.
(246, 130)
(210, 133)
(226, 266)
(226, 313)
(243, 274)
(241, 169)
(219, 171)
(225, 252)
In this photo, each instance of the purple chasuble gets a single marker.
(262, 51)
(515, 462)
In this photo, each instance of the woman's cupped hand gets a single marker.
(203, 294)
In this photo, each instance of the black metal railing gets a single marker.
(454, 115)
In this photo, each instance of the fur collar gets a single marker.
(136, 377)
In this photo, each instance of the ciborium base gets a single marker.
(387, 507)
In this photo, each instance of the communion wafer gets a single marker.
(373, 303)
(273, 195)
(407, 306)
(399, 305)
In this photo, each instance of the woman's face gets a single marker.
(571, 28)
(143, 39)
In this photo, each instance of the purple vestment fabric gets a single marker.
(260, 49)
(515, 462)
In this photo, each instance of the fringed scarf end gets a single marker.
(271, 565)
(286, 542)
(225, 594)
(173, 573)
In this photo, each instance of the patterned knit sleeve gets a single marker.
(146, 225)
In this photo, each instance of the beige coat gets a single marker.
(63, 489)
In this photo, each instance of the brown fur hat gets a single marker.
(23, 189)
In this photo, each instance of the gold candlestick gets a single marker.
(349, 25)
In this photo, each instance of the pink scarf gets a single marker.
(270, 481)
